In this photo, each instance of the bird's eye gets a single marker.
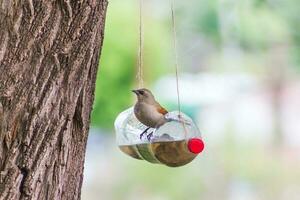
(141, 92)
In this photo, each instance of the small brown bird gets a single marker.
(148, 111)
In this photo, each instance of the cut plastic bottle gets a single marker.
(174, 144)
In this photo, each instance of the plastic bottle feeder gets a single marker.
(174, 144)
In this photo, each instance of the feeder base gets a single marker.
(170, 153)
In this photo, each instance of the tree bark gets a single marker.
(49, 53)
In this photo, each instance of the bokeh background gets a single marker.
(239, 80)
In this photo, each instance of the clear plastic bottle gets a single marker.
(174, 144)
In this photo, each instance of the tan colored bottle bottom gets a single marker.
(173, 153)
(130, 150)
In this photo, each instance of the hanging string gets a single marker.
(176, 56)
(140, 60)
(177, 67)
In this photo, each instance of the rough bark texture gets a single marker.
(49, 51)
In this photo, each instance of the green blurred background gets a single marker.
(239, 81)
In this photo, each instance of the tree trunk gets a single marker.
(49, 52)
(277, 72)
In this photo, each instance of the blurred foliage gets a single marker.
(251, 30)
(207, 20)
(248, 36)
(117, 72)
(253, 27)
(289, 11)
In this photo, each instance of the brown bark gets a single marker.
(49, 51)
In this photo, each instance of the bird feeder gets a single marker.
(174, 144)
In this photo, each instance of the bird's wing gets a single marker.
(161, 110)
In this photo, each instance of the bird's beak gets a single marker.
(135, 91)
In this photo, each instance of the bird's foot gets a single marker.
(149, 136)
(145, 131)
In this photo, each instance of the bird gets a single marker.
(148, 111)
